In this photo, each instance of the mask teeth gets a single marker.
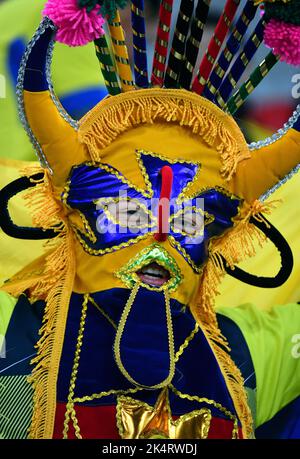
(161, 45)
(176, 56)
(193, 43)
(121, 53)
(139, 44)
(215, 45)
(240, 64)
(230, 50)
(107, 66)
(238, 99)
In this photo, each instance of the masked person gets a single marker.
(146, 203)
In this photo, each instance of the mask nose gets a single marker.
(164, 204)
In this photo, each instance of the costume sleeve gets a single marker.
(273, 339)
(7, 305)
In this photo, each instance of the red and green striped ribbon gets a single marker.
(162, 42)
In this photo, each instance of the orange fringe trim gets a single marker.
(114, 116)
(54, 283)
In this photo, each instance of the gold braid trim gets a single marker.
(234, 246)
(54, 284)
(115, 115)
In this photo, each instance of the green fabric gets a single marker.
(7, 304)
(15, 404)
(73, 69)
(272, 340)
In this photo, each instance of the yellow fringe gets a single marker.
(234, 246)
(54, 284)
(113, 116)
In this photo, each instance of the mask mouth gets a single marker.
(153, 275)
(153, 268)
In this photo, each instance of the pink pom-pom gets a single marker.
(284, 39)
(76, 27)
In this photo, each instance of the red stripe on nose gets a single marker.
(164, 203)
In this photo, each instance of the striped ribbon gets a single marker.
(214, 46)
(240, 64)
(139, 44)
(107, 66)
(121, 53)
(162, 41)
(230, 50)
(238, 99)
(193, 43)
(177, 53)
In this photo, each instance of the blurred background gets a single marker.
(79, 85)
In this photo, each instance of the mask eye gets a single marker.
(128, 213)
(191, 221)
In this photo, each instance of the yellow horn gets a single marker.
(267, 166)
(58, 140)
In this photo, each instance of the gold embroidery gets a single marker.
(103, 202)
(208, 218)
(184, 193)
(181, 250)
(186, 342)
(119, 335)
(209, 402)
(91, 299)
(90, 398)
(70, 409)
(91, 251)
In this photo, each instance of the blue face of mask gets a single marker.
(116, 213)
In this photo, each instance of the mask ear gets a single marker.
(286, 259)
(6, 223)
(267, 167)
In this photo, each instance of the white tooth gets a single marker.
(153, 271)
